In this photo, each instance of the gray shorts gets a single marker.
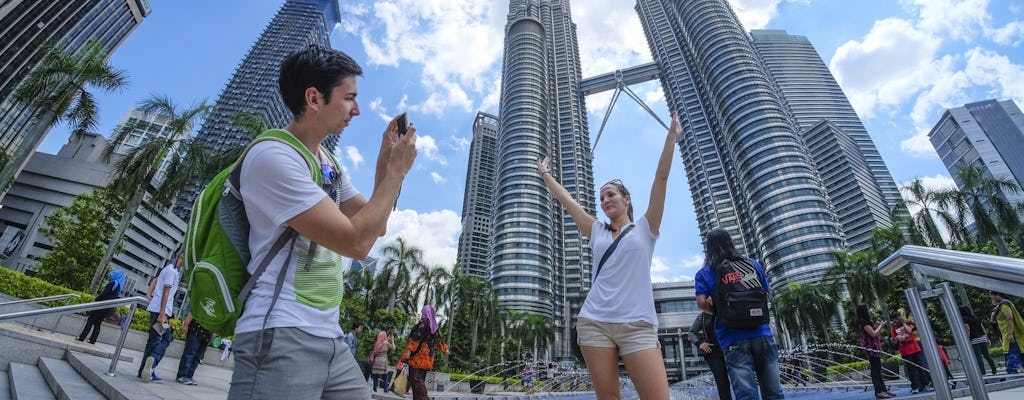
(629, 337)
(292, 364)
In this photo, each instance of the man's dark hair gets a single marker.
(355, 325)
(315, 66)
(718, 246)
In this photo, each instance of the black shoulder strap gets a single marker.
(608, 253)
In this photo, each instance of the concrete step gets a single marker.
(65, 382)
(27, 383)
(5, 386)
(119, 387)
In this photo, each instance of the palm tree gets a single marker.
(981, 197)
(805, 308)
(926, 201)
(57, 89)
(539, 331)
(858, 273)
(143, 167)
(403, 261)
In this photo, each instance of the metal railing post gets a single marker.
(120, 340)
(972, 369)
(931, 352)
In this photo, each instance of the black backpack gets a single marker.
(741, 301)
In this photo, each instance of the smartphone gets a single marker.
(403, 123)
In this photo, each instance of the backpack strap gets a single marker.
(611, 248)
(234, 185)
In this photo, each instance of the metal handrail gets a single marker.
(41, 299)
(997, 273)
(132, 302)
(1002, 274)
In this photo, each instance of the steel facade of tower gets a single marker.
(28, 25)
(478, 201)
(859, 184)
(539, 262)
(253, 87)
(747, 165)
(988, 134)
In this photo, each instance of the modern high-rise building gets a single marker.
(987, 134)
(747, 164)
(860, 187)
(254, 89)
(539, 263)
(50, 182)
(27, 26)
(477, 203)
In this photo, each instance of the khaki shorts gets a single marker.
(629, 337)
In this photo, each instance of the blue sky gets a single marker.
(900, 62)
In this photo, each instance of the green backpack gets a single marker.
(217, 244)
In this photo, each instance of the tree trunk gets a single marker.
(17, 160)
(115, 240)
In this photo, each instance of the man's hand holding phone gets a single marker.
(403, 124)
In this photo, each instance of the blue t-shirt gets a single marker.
(705, 285)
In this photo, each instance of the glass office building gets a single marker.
(26, 26)
(477, 202)
(539, 263)
(987, 134)
(859, 185)
(747, 165)
(253, 88)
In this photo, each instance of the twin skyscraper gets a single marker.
(772, 150)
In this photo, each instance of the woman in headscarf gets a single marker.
(96, 317)
(420, 350)
(379, 359)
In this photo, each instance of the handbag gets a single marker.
(574, 340)
(400, 384)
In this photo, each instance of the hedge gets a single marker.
(23, 286)
(863, 365)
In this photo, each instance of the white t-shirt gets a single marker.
(623, 291)
(276, 186)
(170, 276)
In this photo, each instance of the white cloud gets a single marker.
(460, 143)
(353, 155)
(918, 145)
(986, 71)
(663, 270)
(435, 232)
(658, 268)
(694, 261)
(455, 42)
(958, 19)
(1011, 34)
(755, 14)
(427, 147)
(986, 67)
(437, 178)
(893, 62)
(610, 36)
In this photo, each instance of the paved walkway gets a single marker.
(214, 381)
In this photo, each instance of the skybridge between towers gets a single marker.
(620, 80)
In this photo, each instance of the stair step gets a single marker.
(66, 383)
(5, 386)
(121, 387)
(27, 383)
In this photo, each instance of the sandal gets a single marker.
(883, 395)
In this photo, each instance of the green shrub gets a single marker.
(22, 286)
(494, 380)
(856, 366)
